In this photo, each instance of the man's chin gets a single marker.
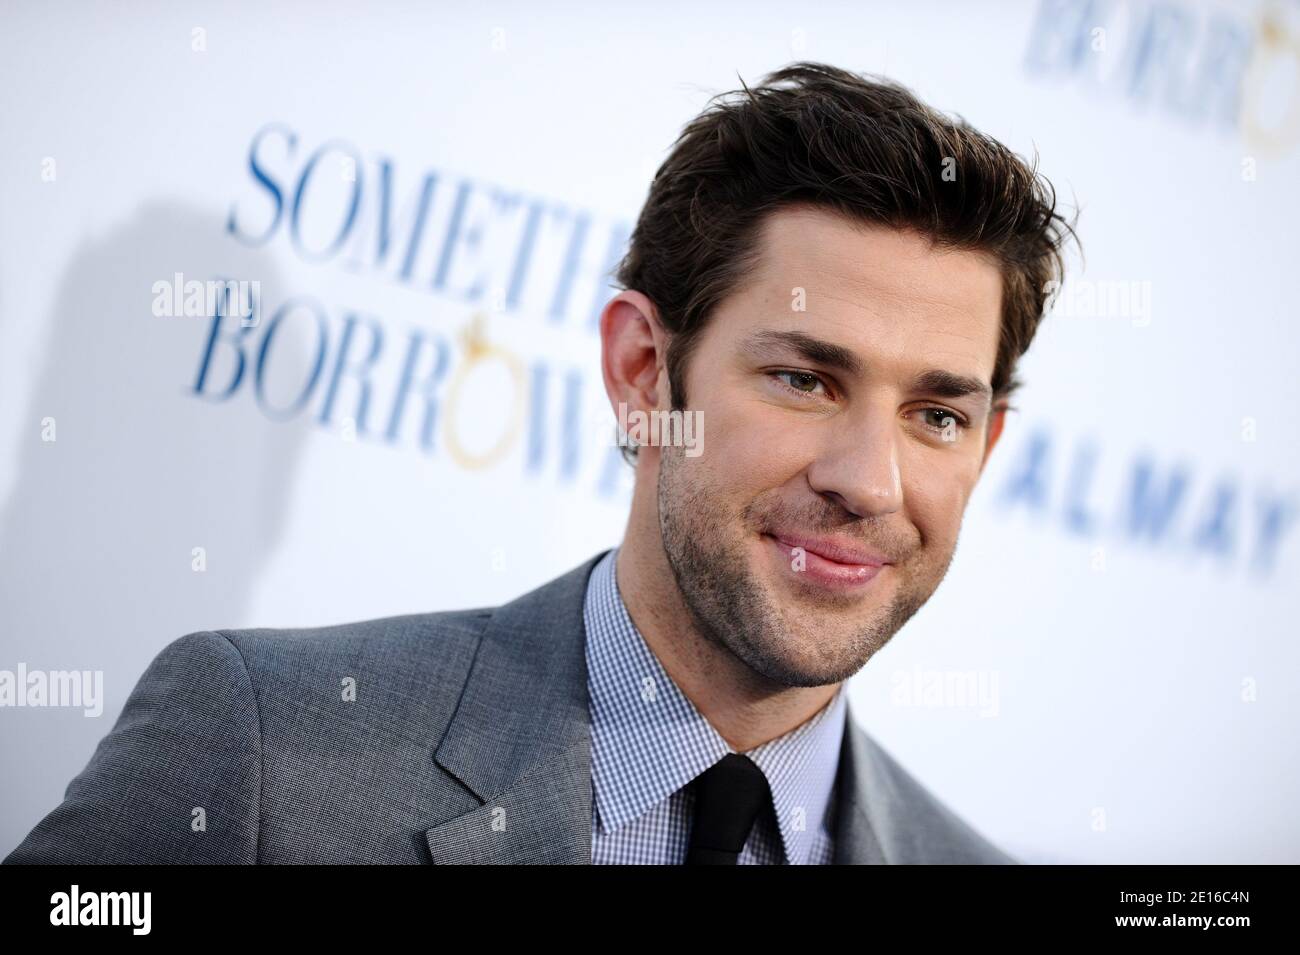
(810, 668)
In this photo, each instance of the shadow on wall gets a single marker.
(97, 540)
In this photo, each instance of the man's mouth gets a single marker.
(849, 553)
(828, 562)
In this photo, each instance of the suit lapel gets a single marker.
(861, 798)
(521, 736)
(521, 742)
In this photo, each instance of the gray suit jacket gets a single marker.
(467, 741)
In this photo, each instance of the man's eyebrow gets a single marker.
(935, 381)
(947, 384)
(816, 350)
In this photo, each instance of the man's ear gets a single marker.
(997, 419)
(632, 348)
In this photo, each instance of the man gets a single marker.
(825, 296)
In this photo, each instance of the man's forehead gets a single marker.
(875, 291)
(826, 246)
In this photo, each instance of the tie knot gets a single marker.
(729, 795)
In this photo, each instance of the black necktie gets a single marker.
(729, 795)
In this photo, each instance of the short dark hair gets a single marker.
(863, 146)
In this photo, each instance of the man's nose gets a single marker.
(858, 467)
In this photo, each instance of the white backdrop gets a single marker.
(1123, 597)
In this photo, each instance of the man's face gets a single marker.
(830, 393)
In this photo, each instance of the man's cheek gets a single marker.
(951, 483)
(936, 506)
(758, 453)
(785, 439)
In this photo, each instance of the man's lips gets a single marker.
(847, 553)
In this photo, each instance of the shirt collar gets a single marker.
(649, 740)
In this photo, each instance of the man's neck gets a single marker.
(744, 707)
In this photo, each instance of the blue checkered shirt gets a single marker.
(649, 741)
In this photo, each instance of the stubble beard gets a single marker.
(731, 608)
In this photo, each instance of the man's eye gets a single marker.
(801, 381)
(941, 419)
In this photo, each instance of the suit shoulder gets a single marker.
(186, 742)
(933, 831)
(418, 634)
(401, 672)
